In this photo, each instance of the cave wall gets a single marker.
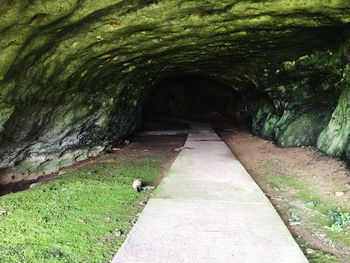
(74, 74)
(308, 103)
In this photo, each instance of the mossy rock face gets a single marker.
(265, 120)
(305, 93)
(268, 130)
(5, 113)
(335, 138)
(74, 75)
(304, 130)
(348, 154)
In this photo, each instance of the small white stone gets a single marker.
(179, 149)
(148, 187)
(117, 233)
(310, 251)
(339, 194)
(61, 172)
(116, 149)
(34, 185)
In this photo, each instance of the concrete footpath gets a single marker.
(208, 210)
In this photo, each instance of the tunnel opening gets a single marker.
(191, 96)
(204, 98)
(80, 79)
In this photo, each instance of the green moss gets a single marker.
(268, 130)
(303, 191)
(320, 257)
(264, 121)
(5, 113)
(348, 153)
(76, 217)
(335, 138)
(317, 256)
(304, 130)
(287, 117)
(64, 60)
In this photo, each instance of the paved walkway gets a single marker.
(208, 210)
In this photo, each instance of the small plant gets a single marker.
(293, 217)
(57, 253)
(314, 203)
(339, 220)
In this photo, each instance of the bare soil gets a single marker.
(324, 175)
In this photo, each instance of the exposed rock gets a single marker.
(310, 251)
(304, 130)
(339, 194)
(182, 148)
(118, 233)
(34, 185)
(74, 75)
(179, 149)
(116, 149)
(147, 188)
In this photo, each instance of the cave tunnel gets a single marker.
(189, 96)
(77, 77)
(83, 85)
(196, 97)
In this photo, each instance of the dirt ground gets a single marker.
(326, 178)
(136, 147)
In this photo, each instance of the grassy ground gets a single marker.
(328, 219)
(81, 217)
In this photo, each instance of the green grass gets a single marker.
(319, 212)
(317, 256)
(77, 218)
(320, 257)
(332, 215)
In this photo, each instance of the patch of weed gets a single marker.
(314, 203)
(320, 257)
(332, 226)
(340, 220)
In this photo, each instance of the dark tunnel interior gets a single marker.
(190, 95)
